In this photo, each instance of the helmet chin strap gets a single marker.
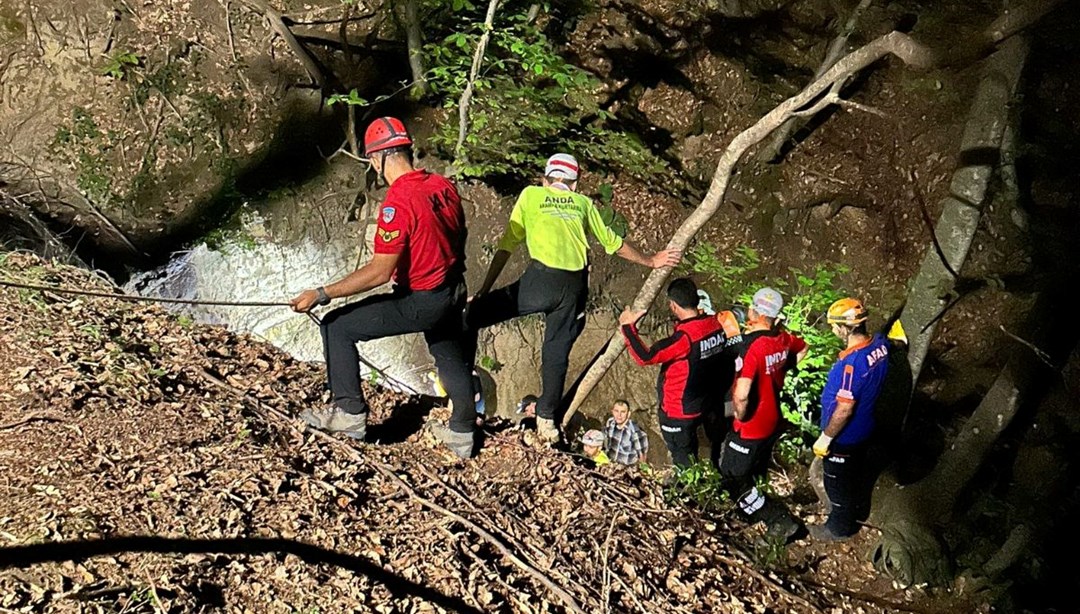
(382, 166)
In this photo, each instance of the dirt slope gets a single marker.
(144, 468)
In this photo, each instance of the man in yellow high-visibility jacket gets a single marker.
(552, 220)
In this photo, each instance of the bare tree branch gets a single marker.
(895, 43)
(466, 96)
(298, 49)
(771, 152)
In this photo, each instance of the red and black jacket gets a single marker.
(696, 370)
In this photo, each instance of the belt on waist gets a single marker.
(543, 267)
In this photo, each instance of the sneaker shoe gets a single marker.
(460, 444)
(546, 429)
(335, 420)
(821, 533)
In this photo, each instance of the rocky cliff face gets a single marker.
(128, 121)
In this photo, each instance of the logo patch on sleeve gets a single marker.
(388, 235)
(388, 214)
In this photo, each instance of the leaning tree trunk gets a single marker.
(910, 548)
(980, 153)
(467, 93)
(816, 97)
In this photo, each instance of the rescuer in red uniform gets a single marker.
(692, 368)
(420, 246)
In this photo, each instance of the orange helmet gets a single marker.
(847, 311)
(385, 133)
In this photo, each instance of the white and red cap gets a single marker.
(562, 166)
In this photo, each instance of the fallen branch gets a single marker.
(1040, 354)
(878, 601)
(297, 48)
(894, 43)
(387, 472)
(29, 419)
(466, 96)
(748, 568)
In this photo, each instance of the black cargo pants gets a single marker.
(849, 485)
(742, 463)
(560, 296)
(680, 437)
(436, 313)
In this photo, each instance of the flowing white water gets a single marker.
(262, 270)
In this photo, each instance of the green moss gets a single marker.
(11, 27)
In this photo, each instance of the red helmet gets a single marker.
(385, 133)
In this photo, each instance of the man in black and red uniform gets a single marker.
(420, 245)
(768, 352)
(692, 374)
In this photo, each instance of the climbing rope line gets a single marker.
(152, 299)
(137, 298)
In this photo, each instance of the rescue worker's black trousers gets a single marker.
(436, 313)
(560, 296)
(681, 439)
(849, 484)
(742, 463)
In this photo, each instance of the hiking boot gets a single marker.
(546, 429)
(460, 444)
(335, 420)
(784, 526)
(821, 533)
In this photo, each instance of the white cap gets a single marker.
(767, 302)
(593, 437)
(562, 166)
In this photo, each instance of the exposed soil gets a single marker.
(146, 469)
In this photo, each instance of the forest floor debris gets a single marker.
(149, 464)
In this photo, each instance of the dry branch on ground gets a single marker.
(176, 464)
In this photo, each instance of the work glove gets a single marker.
(821, 446)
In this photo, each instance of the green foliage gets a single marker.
(729, 279)
(790, 447)
(615, 220)
(83, 142)
(770, 552)
(120, 64)
(528, 101)
(605, 193)
(490, 364)
(700, 484)
(807, 299)
(350, 99)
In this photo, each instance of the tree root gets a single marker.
(912, 554)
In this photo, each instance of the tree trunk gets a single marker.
(415, 42)
(910, 548)
(772, 152)
(894, 43)
(980, 153)
(466, 95)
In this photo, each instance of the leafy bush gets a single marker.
(528, 101)
(119, 64)
(699, 484)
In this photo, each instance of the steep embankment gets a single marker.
(150, 465)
